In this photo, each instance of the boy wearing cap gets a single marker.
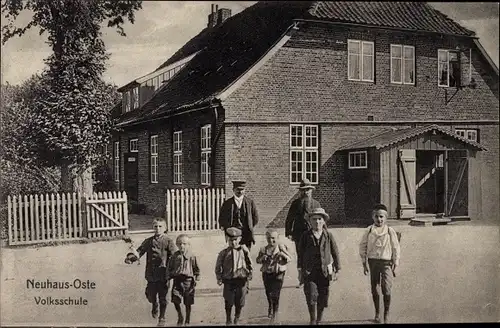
(234, 269)
(184, 270)
(318, 263)
(239, 212)
(158, 249)
(380, 252)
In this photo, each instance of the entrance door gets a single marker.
(458, 187)
(131, 176)
(406, 183)
(430, 181)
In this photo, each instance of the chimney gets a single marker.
(222, 15)
(218, 16)
(212, 18)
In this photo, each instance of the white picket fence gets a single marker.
(193, 209)
(36, 219)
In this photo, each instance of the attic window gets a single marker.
(448, 68)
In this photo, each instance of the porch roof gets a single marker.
(390, 137)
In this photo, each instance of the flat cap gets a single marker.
(233, 232)
(239, 184)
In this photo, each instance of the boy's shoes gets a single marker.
(270, 312)
(180, 321)
(236, 320)
(228, 322)
(313, 322)
(386, 319)
(377, 318)
(161, 322)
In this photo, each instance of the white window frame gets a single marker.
(352, 165)
(116, 161)
(153, 158)
(304, 149)
(403, 66)
(447, 85)
(465, 133)
(133, 145)
(360, 60)
(206, 152)
(135, 96)
(177, 147)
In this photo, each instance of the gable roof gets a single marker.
(391, 137)
(227, 51)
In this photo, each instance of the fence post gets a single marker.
(167, 210)
(125, 211)
(9, 217)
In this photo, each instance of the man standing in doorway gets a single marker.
(239, 212)
(296, 221)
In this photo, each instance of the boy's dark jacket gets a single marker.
(224, 263)
(328, 250)
(156, 263)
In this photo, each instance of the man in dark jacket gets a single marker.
(296, 220)
(239, 212)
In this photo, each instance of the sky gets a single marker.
(161, 28)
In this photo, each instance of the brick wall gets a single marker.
(152, 195)
(307, 81)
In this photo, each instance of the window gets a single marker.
(136, 97)
(469, 134)
(178, 157)
(116, 163)
(357, 160)
(402, 64)
(448, 68)
(126, 101)
(303, 153)
(153, 142)
(360, 60)
(206, 150)
(133, 146)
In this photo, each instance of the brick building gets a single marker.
(390, 102)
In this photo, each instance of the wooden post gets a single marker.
(196, 214)
(63, 215)
(446, 183)
(9, 217)
(82, 215)
(26, 218)
(37, 219)
(125, 211)
(183, 209)
(168, 210)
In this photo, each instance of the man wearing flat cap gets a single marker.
(296, 221)
(239, 212)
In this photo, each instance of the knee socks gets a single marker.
(228, 313)
(188, 314)
(387, 304)
(376, 302)
(180, 315)
(312, 313)
(163, 309)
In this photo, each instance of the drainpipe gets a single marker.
(215, 138)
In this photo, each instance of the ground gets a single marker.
(448, 274)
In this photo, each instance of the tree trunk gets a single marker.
(66, 177)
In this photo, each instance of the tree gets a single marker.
(71, 110)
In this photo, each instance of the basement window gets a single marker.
(357, 160)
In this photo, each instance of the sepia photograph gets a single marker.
(212, 163)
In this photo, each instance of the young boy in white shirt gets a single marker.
(380, 252)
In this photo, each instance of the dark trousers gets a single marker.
(235, 291)
(273, 282)
(157, 292)
(317, 288)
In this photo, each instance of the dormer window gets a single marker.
(126, 101)
(448, 68)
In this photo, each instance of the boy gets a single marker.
(318, 263)
(159, 248)
(273, 258)
(184, 270)
(234, 269)
(380, 248)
